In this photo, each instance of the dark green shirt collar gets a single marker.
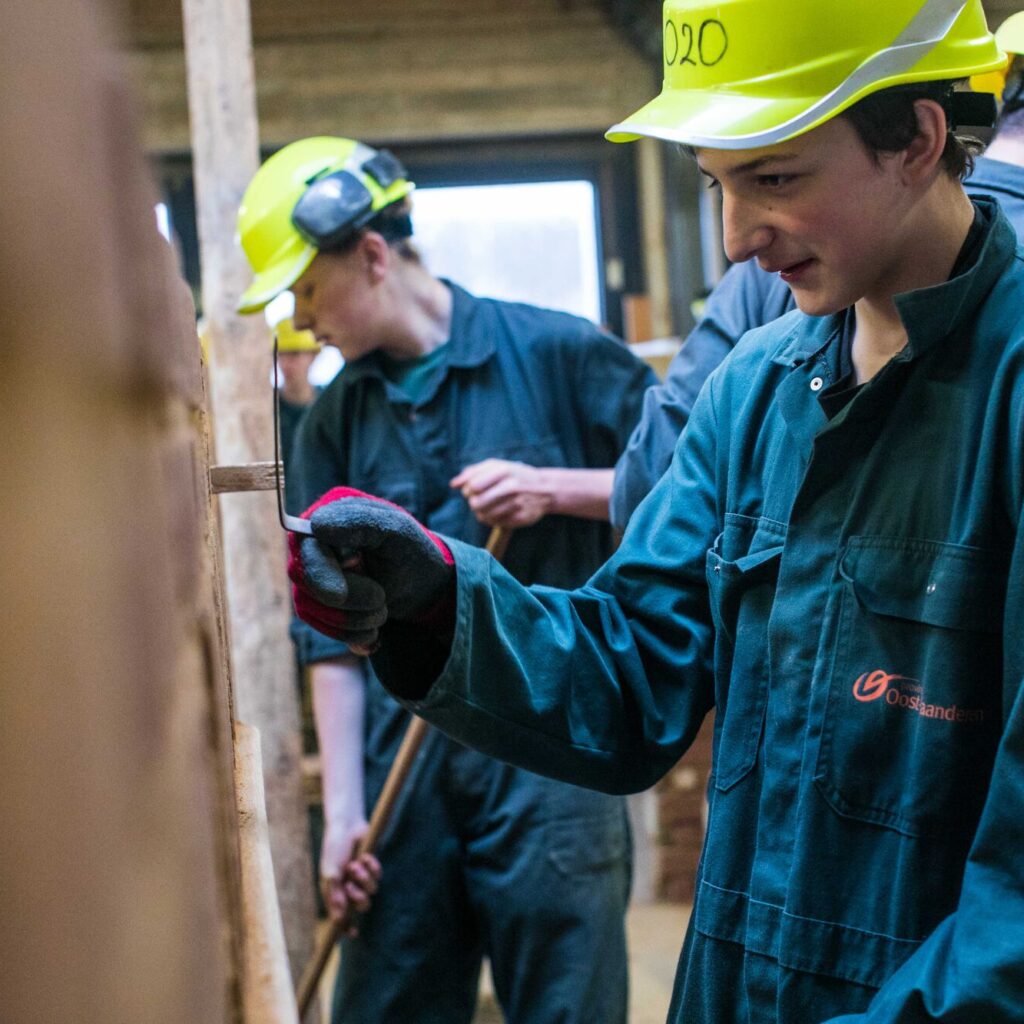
(464, 347)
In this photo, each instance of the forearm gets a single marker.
(338, 707)
(524, 702)
(583, 493)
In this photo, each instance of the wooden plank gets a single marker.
(115, 896)
(268, 994)
(155, 23)
(652, 222)
(255, 476)
(422, 78)
(225, 147)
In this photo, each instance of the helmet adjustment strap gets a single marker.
(971, 110)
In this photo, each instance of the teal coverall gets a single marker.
(848, 594)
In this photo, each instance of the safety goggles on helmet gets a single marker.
(311, 195)
(338, 203)
(740, 74)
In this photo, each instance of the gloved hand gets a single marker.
(368, 561)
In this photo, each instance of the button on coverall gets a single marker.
(849, 595)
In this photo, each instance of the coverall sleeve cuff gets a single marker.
(418, 665)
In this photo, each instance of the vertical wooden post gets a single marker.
(652, 222)
(225, 149)
(118, 851)
(267, 988)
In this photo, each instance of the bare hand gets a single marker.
(504, 493)
(348, 882)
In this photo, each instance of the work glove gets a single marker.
(368, 562)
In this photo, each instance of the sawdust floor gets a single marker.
(655, 938)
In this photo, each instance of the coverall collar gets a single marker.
(930, 316)
(466, 348)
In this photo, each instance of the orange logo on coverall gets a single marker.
(908, 695)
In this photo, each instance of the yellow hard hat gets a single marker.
(746, 73)
(311, 195)
(291, 340)
(1009, 37)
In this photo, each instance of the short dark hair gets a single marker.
(886, 122)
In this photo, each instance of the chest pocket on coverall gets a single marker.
(914, 698)
(742, 572)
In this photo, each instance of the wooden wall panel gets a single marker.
(402, 70)
(226, 156)
(407, 70)
(118, 855)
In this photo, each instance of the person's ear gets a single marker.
(921, 159)
(376, 255)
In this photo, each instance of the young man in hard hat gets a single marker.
(834, 560)
(749, 297)
(445, 396)
(296, 351)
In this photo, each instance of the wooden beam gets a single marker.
(255, 476)
(652, 223)
(222, 110)
(398, 71)
(117, 895)
(267, 991)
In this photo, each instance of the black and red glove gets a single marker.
(368, 562)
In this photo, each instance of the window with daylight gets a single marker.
(533, 242)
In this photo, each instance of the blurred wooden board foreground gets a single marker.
(119, 850)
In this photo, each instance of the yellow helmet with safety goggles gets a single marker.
(740, 74)
(290, 340)
(312, 195)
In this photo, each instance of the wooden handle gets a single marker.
(253, 476)
(399, 772)
(497, 543)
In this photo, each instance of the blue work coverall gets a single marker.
(848, 593)
(745, 298)
(484, 858)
